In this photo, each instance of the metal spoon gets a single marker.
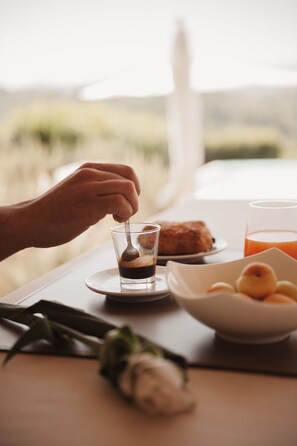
(130, 253)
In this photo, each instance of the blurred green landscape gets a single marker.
(42, 130)
(248, 123)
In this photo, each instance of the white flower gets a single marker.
(156, 385)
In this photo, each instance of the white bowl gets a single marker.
(233, 318)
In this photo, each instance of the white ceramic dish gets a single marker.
(238, 320)
(218, 246)
(107, 282)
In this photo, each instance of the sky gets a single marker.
(126, 45)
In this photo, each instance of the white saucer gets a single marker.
(218, 246)
(107, 282)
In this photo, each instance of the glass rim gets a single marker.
(273, 204)
(120, 229)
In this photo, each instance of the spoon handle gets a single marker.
(127, 230)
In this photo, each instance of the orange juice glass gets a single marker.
(272, 224)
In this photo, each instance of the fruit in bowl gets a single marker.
(263, 316)
(258, 280)
(287, 288)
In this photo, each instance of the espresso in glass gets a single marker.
(140, 268)
(140, 272)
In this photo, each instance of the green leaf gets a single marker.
(71, 317)
(118, 345)
(148, 347)
(16, 313)
(8, 310)
(41, 329)
(89, 325)
(50, 331)
(70, 332)
(178, 359)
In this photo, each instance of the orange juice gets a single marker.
(286, 241)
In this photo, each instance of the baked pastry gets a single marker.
(188, 237)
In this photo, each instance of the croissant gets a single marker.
(188, 237)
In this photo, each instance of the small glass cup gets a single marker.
(272, 224)
(139, 273)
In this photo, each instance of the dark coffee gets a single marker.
(136, 272)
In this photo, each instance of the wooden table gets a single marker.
(50, 400)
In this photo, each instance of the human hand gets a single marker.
(79, 201)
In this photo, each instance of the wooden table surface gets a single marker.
(50, 400)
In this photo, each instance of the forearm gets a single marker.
(14, 229)
(69, 208)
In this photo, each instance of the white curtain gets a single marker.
(184, 117)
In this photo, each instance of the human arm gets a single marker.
(69, 208)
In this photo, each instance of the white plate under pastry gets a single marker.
(218, 246)
(107, 282)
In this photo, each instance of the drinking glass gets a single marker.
(138, 273)
(272, 224)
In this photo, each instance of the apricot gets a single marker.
(287, 288)
(277, 298)
(257, 280)
(221, 286)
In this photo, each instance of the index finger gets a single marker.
(119, 169)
